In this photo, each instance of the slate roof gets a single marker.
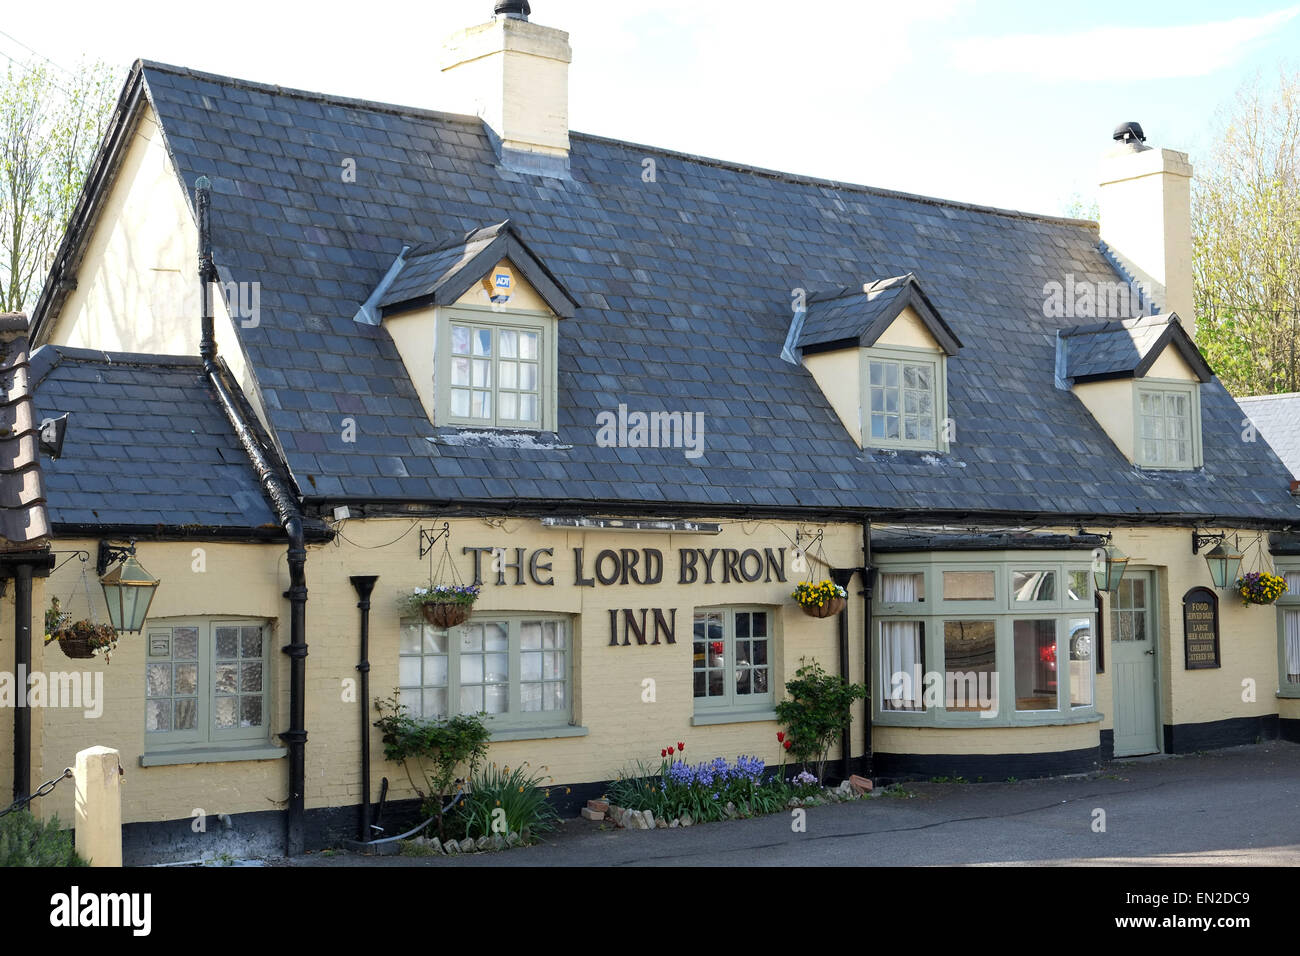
(1277, 419)
(24, 521)
(686, 286)
(862, 315)
(147, 444)
(1127, 347)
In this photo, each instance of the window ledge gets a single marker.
(1021, 719)
(732, 717)
(538, 733)
(1288, 694)
(169, 758)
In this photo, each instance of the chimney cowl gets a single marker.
(518, 9)
(1129, 132)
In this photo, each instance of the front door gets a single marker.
(1133, 643)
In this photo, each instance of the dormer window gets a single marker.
(880, 355)
(476, 322)
(1149, 365)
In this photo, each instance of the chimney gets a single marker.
(514, 74)
(1146, 218)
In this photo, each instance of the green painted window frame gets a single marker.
(1003, 610)
(1289, 601)
(1192, 392)
(742, 707)
(899, 354)
(514, 718)
(206, 735)
(543, 323)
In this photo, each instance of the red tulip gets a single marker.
(663, 753)
(670, 751)
(680, 746)
(780, 735)
(787, 745)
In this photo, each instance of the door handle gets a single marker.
(1148, 652)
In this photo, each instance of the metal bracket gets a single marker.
(1200, 540)
(429, 537)
(110, 553)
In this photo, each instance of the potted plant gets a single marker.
(443, 605)
(79, 640)
(1260, 587)
(822, 599)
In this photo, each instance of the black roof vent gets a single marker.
(1124, 132)
(518, 9)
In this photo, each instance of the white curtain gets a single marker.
(900, 587)
(900, 641)
(1292, 625)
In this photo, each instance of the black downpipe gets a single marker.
(286, 508)
(364, 585)
(868, 587)
(842, 577)
(22, 670)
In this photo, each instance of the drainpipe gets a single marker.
(842, 577)
(868, 586)
(286, 508)
(22, 670)
(364, 584)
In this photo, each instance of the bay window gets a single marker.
(1288, 615)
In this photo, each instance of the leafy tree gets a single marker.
(51, 123)
(1246, 240)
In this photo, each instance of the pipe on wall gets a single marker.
(364, 585)
(866, 764)
(290, 515)
(842, 577)
(22, 669)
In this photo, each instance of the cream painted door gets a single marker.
(1133, 645)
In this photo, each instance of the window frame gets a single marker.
(726, 709)
(1287, 602)
(1004, 611)
(899, 354)
(498, 320)
(1192, 392)
(516, 721)
(206, 736)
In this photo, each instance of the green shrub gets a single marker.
(518, 794)
(26, 841)
(815, 715)
(703, 790)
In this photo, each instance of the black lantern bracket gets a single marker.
(1201, 539)
(431, 536)
(110, 554)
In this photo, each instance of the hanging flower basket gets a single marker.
(822, 599)
(1260, 587)
(443, 605)
(80, 640)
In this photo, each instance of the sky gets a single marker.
(1003, 103)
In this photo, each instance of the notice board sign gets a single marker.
(1201, 628)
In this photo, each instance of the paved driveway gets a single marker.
(1237, 806)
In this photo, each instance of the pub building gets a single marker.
(316, 352)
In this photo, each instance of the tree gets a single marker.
(1246, 241)
(51, 123)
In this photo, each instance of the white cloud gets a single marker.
(1119, 53)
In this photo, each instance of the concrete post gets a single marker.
(98, 806)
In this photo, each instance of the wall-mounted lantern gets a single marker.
(1224, 562)
(128, 587)
(1108, 566)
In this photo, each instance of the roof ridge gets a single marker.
(1261, 398)
(782, 175)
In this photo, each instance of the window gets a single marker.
(515, 668)
(497, 369)
(1168, 426)
(1006, 641)
(206, 682)
(905, 398)
(732, 667)
(1288, 613)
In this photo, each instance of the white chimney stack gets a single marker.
(1146, 218)
(515, 76)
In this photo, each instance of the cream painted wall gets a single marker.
(239, 580)
(137, 285)
(1170, 364)
(984, 740)
(909, 331)
(838, 376)
(1111, 404)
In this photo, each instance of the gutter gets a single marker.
(286, 508)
